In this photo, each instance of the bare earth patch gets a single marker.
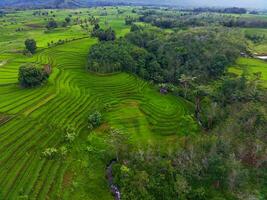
(4, 118)
(67, 179)
(104, 127)
(34, 26)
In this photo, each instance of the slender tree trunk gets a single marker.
(117, 156)
(197, 109)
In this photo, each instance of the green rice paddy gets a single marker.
(250, 66)
(32, 120)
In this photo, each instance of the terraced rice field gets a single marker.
(250, 66)
(260, 47)
(32, 120)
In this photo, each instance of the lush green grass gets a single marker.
(260, 48)
(32, 120)
(41, 115)
(250, 66)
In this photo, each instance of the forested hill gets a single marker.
(75, 3)
(41, 3)
(260, 4)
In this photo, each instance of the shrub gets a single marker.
(50, 153)
(107, 107)
(70, 134)
(104, 35)
(198, 194)
(67, 20)
(95, 119)
(129, 20)
(2, 14)
(64, 24)
(31, 76)
(90, 126)
(255, 38)
(63, 151)
(30, 45)
(51, 24)
(135, 27)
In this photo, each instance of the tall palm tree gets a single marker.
(186, 82)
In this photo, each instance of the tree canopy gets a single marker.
(30, 45)
(166, 57)
(52, 24)
(31, 76)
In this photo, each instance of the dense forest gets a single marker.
(197, 19)
(228, 159)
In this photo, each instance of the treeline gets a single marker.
(195, 19)
(245, 23)
(168, 20)
(256, 38)
(233, 10)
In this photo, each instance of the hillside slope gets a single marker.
(34, 120)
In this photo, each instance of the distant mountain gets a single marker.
(85, 3)
(42, 3)
(78, 3)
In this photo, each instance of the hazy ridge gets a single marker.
(260, 4)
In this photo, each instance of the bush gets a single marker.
(31, 76)
(50, 153)
(95, 119)
(198, 194)
(30, 45)
(135, 27)
(63, 151)
(255, 38)
(104, 35)
(67, 20)
(70, 134)
(2, 14)
(51, 24)
(129, 20)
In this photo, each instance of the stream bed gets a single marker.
(113, 188)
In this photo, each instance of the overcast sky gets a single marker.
(223, 3)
